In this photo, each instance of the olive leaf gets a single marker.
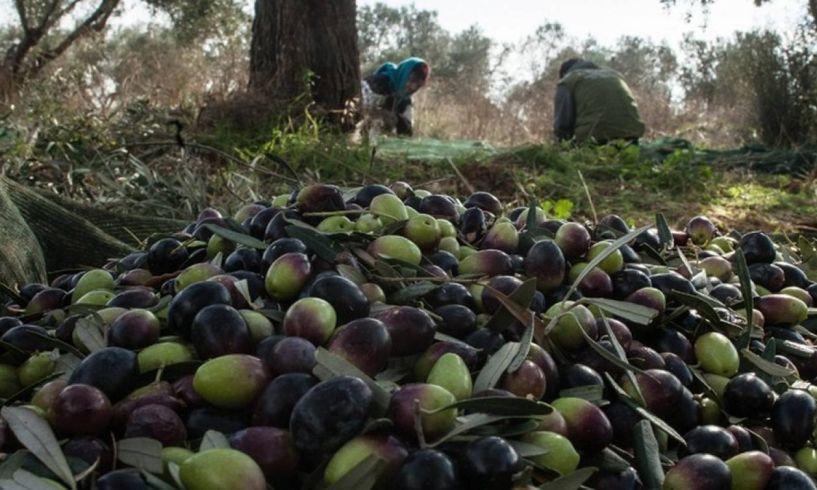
(363, 476)
(647, 455)
(89, 333)
(155, 482)
(768, 367)
(411, 293)
(12, 463)
(573, 481)
(213, 439)
(35, 434)
(521, 296)
(25, 480)
(140, 452)
(499, 405)
(496, 366)
(642, 315)
(470, 422)
(528, 450)
(654, 420)
(664, 232)
(611, 249)
(329, 365)
(352, 273)
(609, 356)
(591, 393)
(315, 241)
(748, 300)
(236, 237)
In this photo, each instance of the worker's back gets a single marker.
(605, 107)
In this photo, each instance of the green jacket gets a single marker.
(595, 103)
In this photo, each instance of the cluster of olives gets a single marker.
(387, 337)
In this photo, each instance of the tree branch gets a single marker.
(94, 23)
(21, 12)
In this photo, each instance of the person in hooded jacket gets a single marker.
(386, 95)
(594, 104)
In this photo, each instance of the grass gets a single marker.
(226, 170)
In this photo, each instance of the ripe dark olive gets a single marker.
(490, 463)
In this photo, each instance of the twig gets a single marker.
(462, 177)
(589, 198)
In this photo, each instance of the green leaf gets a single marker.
(704, 305)
(394, 228)
(412, 293)
(140, 452)
(530, 222)
(25, 391)
(351, 273)
(524, 349)
(664, 232)
(88, 332)
(499, 405)
(748, 301)
(35, 434)
(496, 366)
(623, 356)
(12, 463)
(522, 297)
(57, 343)
(213, 439)
(470, 422)
(573, 481)
(654, 420)
(647, 455)
(642, 315)
(528, 450)
(236, 237)
(155, 482)
(592, 393)
(315, 241)
(363, 476)
(617, 244)
(767, 367)
(792, 348)
(770, 350)
(329, 365)
(26, 480)
(609, 356)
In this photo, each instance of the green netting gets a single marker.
(21, 258)
(759, 158)
(431, 149)
(42, 232)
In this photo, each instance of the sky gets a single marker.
(607, 20)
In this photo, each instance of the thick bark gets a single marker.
(295, 40)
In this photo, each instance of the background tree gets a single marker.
(39, 36)
(306, 47)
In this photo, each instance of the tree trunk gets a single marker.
(306, 48)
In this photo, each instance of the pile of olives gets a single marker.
(387, 337)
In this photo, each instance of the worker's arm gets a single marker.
(564, 110)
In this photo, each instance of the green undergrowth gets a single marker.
(154, 174)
